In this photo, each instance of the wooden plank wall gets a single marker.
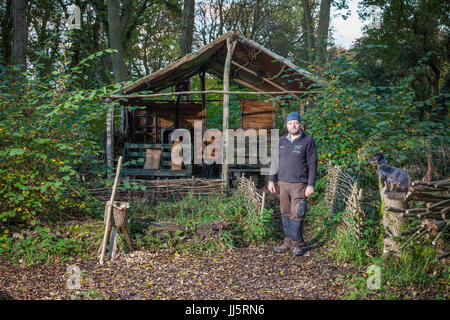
(258, 114)
(255, 114)
(165, 115)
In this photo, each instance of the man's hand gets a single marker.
(309, 191)
(271, 187)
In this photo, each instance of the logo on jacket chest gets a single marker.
(297, 148)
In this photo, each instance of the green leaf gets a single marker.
(13, 152)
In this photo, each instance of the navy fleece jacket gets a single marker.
(295, 161)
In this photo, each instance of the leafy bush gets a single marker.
(246, 224)
(43, 247)
(49, 139)
(351, 119)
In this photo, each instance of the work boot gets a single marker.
(285, 246)
(297, 248)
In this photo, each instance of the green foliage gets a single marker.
(415, 268)
(360, 119)
(246, 225)
(49, 138)
(256, 224)
(42, 247)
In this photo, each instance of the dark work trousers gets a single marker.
(293, 209)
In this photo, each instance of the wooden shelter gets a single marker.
(231, 57)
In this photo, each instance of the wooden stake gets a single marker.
(110, 207)
(110, 139)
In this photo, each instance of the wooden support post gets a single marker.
(241, 104)
(231, 43)
(127, 238)
(110, 139)
(283, 115)
(123, 116)
(274, 115)
(203, 88)
(113, 244)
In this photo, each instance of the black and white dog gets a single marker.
(389, 175)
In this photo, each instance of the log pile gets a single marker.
(429, 202)
(163, 189)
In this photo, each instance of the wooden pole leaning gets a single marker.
(110, 139)
(108, 211)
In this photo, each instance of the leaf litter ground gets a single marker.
(254, 272)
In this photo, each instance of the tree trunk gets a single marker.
(20, 34)
(309, 29)
(392, 221)
(187, 34)
(187, 30)
(322, 32)
(115, 40)
(6, 35)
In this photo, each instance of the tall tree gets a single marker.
(115, 40)
(322, 30)
(6, 31)
(20, 34)
(308, 29)
(411, 42)
(187, 30)
(187, 34)
(274, 24)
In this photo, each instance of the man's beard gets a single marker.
(294, 131)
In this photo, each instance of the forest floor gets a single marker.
(254, 272)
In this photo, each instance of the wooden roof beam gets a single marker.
(186, 59)
(259, 76)
(212, 67)
(248, 85)
(250, 80)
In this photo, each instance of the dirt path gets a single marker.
(248, 273)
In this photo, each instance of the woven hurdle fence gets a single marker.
(248, 189)
(164, 189)
(342, 194)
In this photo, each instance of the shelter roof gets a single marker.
(252, 65)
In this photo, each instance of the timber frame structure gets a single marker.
(230, 57)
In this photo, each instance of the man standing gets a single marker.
(295, 162)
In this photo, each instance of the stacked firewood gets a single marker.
(430, 203)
